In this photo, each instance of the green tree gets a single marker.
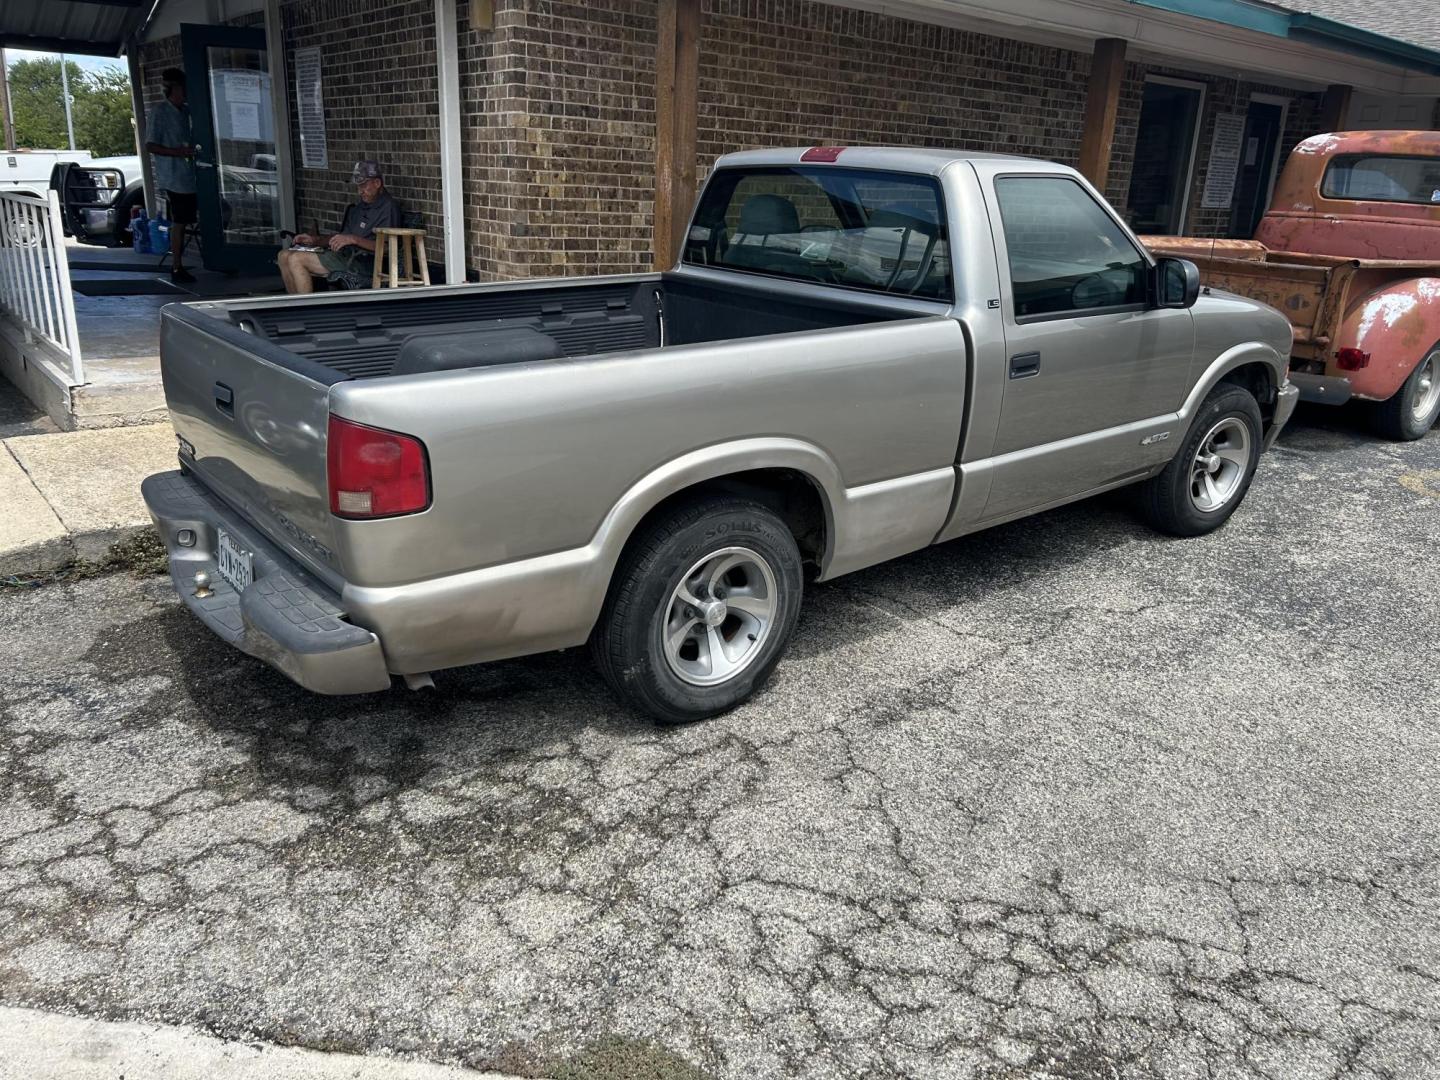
(104, 123)
(100, 107)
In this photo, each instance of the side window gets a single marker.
(1066, 253)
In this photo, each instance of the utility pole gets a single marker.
(65, 85)
(5, 101)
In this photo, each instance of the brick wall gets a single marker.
(788, 72)
(559, 137)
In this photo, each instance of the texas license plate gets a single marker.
(235, 563)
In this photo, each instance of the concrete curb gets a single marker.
(74, 496)
(52, 1046)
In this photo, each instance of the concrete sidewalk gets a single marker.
(50, 1046)
(72, 496)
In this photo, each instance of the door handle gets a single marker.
(1025, 365)
(224, 399)
(204, 164)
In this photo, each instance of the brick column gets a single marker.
(1107, 72)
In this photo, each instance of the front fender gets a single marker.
(1397, 324)
(1233, 359)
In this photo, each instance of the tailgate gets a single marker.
(252, 419)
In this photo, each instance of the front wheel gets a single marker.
(701, 609)
(1411, 411)
(1207, 480)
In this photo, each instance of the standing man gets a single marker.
(353, 247)
(171, 142)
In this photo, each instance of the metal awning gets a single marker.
(97, 27)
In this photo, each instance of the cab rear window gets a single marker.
(1376, 178)
(855, 228)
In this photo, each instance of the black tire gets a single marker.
(1401, 417)
(1173, 501)
(628, 642)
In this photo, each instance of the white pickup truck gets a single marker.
(27, 172)
(861, 352)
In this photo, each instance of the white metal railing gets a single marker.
(35, 278)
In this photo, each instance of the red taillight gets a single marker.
(1351, 359)
(822, 153)
(375, 473)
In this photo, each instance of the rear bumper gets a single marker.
(1326, 389)
(1286, 398)
(286, 617)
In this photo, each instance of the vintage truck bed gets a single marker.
(1317, 293)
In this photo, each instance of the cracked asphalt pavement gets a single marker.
(1065, 798)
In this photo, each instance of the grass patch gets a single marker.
(610, 1058)
(142, 555)
(616, 1058)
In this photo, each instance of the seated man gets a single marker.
(353, 247)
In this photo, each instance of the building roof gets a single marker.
(69, 26)
(1415, 21)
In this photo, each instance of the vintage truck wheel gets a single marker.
(1412, 410)
(700, 610)
(1207, 480)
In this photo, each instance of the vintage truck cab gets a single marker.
(1349, 250)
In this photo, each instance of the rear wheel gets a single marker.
(1207, 480)
(701, 609)
(1413, 409)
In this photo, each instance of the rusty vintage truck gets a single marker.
(1349, 250)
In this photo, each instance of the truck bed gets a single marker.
(367, 336)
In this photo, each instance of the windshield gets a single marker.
(856, 228)
(1383, 179)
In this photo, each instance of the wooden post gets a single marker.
(1334, 107)
(1107, 71)
(677, 77)
(5, 101)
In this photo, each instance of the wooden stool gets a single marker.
(395, 241)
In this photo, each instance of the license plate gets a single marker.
(234, 563)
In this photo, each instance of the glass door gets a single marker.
(237, 176)
(1164, 157)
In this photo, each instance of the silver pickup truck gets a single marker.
(860, 352)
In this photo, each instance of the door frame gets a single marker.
(1279, 148)
(1190, 157)
(196, 39)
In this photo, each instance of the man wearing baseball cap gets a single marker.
(353, 247)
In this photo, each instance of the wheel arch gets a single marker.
(1397, 325)
(796, 479)
(1251, 364)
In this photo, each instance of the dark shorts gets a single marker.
(352, 260)
(182, 207)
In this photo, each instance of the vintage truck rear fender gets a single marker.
(1397, 325)
(552, 601)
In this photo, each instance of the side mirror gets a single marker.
(1177, 283)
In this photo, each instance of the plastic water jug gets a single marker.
(159, 236)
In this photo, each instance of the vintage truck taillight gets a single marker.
(375, 473)
(1350, 358)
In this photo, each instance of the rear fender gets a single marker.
(1397, 325)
